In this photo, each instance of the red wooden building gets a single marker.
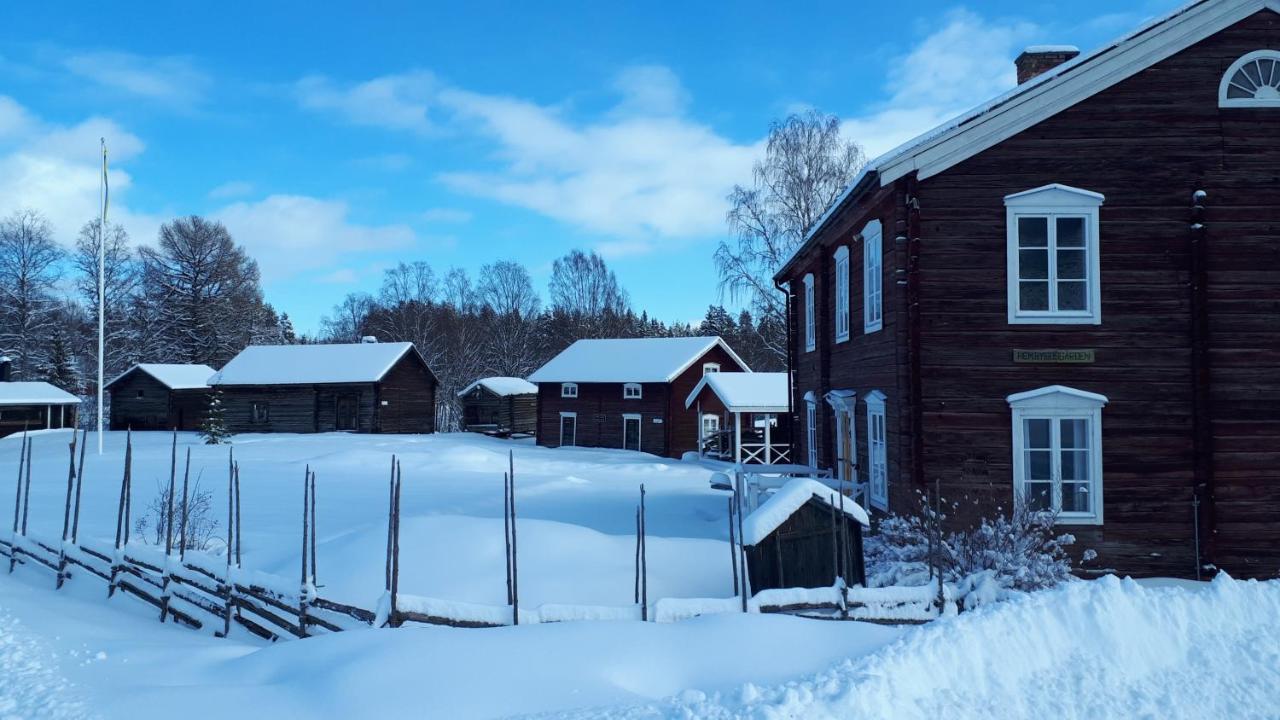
(1067, 297)
(628, 393)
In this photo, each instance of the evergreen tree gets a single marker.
(214, 428)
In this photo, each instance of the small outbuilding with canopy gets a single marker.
(743, 417)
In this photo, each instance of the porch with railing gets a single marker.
(767, 445)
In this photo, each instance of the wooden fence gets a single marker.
(200, 590)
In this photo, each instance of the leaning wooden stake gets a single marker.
(391, 523)
(186, 508)
(393, 618)
(17, 502)
(733, 549)
(75, 515)
(636, 593)
(66, 513)
(644, 561)
(306, 532)
(121, 514)
(228, 585)
(742, 556)
(506, 528)
(515, 564)
(26, 492)
(168, 525)
(239, 517)
(314, 582)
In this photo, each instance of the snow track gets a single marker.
(31, 685)
(1104, 649)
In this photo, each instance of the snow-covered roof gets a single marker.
(503, 386)
(629, 360)
(790, 498)
(1041, 97)
(311, 364)
(1038, 49)
(746, 392)
(34, 393)
(172, 375)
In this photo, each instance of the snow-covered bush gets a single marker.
(1015, 552)
(214, 429)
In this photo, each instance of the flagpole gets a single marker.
(102, 290)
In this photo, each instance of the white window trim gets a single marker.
(811, 431)
(568, 390)
(573, 415)
(1053, 201)
(872, 277)
(1226, 102)
(639, 430)
(709, 416)
(877, 455)
(627, 387)
(810, 316)
(1058, 402)
(710, 367)
(842, 294)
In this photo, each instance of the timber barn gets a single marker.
(1068, 299)
(628, 393)
(367, 387)
(503, 406)
(154, 396)
(33, 405)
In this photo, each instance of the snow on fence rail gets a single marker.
(197, 590)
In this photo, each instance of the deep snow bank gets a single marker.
(1109, 648)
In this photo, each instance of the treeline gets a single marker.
(195, 296)
(192, 297)
(497, 324)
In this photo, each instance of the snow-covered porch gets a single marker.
(743, 418)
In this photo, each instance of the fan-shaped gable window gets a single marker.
(1252, 81)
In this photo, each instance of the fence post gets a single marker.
(168, 523)
(302, 587)
(227, 585)
(644, 560)
(17, 502)
(66, 512)
(515, 556)
(122, 513)
(75, 518)
(733, 548)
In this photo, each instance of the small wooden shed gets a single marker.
(160, 396)
(804, 535)
(504, 406)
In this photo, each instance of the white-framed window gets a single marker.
(631, 424)
(708, 368)
(710, 424)
(1057, 452)
(842, 293)
(1252, 81)
(872, 277)
(810, 316)
(631, 391)
(1053, 256)
(568, 429)
(877, 452)
(568, 390)
(811, 430)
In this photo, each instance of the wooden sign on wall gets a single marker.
(1054, 357)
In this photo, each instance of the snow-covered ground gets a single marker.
(1091, 649)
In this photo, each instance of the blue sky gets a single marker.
(335, 140)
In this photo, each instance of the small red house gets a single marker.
(628, 393)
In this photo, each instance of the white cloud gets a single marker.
(57, 170)
(290, 234)
(640, 172)
(650, 90)
(967, 61)
(172, 80)
(234, 188)
(398, 102)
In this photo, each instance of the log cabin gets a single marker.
(159, 396)
(367, 387)
(1068, 300)
(628, 393)
(503, 406)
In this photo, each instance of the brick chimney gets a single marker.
(6, 367)
(1039, 58)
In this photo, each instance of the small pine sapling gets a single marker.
(214, 429)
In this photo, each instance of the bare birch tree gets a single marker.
(29, 270)
(807, 165)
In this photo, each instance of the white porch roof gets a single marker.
(746, 392)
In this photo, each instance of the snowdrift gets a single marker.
(1105, 649)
